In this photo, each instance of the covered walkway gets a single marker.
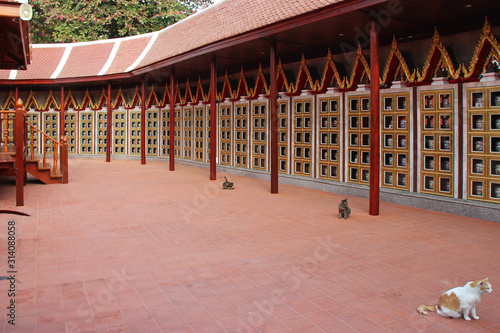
(126, 247)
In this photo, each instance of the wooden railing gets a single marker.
(14, 138)
(58, 150)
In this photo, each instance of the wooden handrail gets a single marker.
(56, 144)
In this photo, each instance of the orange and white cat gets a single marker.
(459, 301)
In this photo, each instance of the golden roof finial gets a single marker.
(486, 27)
(435, 37)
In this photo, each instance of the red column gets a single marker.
(16, 94)
(375, 121)
(109, 122)
(213, 119)
(143, 124)
(61, 121)
(172, 120)
(274, 119)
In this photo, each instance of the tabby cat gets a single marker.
(344, 210)
(459, 301)
(227, 185)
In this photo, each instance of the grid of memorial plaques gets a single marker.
(101, 131)
(283, 136)
(34, 119)
(199, 121)
(70, 130)
(50, 128)
(437, 142)
(395, 151)
(86, 132)
(358, 139)
(241, 136)
(177, 132)
(259, 129)
(329, 138)
(302, 137)
(152, 133)
(484, 144)
(120, 132)
(165, 133)
(208, 127)
(225, 135)
(135, 132)
(187, 136)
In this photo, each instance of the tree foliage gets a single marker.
(60, 21)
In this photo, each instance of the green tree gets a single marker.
(60, 21)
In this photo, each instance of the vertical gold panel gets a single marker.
(329, 138)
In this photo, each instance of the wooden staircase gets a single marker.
(17, 155)
(45, 174)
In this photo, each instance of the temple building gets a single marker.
(390, 99)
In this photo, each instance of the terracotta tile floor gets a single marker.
(135, 248)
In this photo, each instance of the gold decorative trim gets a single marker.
(304, 79)
(396, 65)
(70, 100)
(360, 70)
(487, 48)
(31, 102)
(438, 58)
(50, 101)
(331, 75)
(10, 102)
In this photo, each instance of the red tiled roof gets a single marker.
(224, 20)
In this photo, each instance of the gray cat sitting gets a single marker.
(227, 185)
(344, 209)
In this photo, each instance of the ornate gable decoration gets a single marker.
(360, 71)
(304, 79)
(200, 95)
(439, 63)
(119, 100)
(50, 102)
(10, 102)
(331, 76)
(486, 56)
(87, 101)
(135, 100)
(103, 99)
(227, 90)
(152, 98)
(166, 97)
(397, 67)
(260, 85)
(31, 102)
(242, 88)
(70, 102)
(188, 96)
(283, 78)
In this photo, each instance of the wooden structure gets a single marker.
(348, 94)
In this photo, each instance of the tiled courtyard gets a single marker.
(135, 248)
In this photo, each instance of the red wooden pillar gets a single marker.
(143, 124)
(375, 121)
(213, 119)
(16, 94)
(274, 119)
(19, 128)
(172, 120)
(62, 121)
(109, 123)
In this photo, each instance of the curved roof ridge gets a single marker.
(144, 52)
